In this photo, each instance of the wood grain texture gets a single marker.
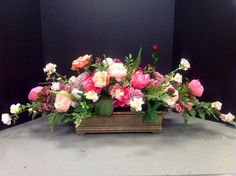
(120, 122)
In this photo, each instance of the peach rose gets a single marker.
(33, 95)
(80, 62)
(62, 101)
(117, 71)
(100, 79)
(196, 87)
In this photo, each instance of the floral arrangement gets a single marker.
(101, 85)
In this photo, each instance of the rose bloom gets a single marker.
(100, 79)
(117, 71)
(6, 119)
(62, 101)
(184, 64)
(81, 62)
(178, 78)
(50, 68)
(120, 95)
(88, 85)
(216, 105)
(33, 95)
(227, 117)
(171, 100)
(196, 87)
(139, 80)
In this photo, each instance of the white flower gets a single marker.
(72, 79)
(136, 104)
(178, 78)
(216, 105)
(50, 68)
(15, 108)
(55, 86)
(91, 95)
(108, 61)
(117, 71)
(75, 93)
(184, 64)
(227, 117)
(171, 100)
(6, 119)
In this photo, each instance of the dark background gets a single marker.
(33, 33)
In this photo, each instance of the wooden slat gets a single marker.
(120, 122)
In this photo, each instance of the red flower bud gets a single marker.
(154, 48)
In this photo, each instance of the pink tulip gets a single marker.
(196, 87)
(33, 95)
(139, 80)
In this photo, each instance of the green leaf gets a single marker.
(186, 117)
(104, 106)
(55, 118)
(192, 113)
(135, 64)
(201, 113)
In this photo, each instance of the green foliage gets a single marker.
(133, 66)
(155, 60)
(104, 106)
(154, 93)
(151, 111)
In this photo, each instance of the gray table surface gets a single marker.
(201, 147)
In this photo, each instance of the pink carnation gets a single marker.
(33, 95)
(136, 93)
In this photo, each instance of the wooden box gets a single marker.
(120, 122)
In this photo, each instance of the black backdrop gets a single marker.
(33, 33)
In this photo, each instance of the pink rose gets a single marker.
(100, 79)
(139, 80)
(196, 87)
(88, 84)
(120, 95)
(62, 101)
(33, 95)
(81, 62)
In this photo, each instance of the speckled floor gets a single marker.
(202, 147)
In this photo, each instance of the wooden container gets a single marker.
(120, 122)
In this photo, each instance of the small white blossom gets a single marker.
(15, 108)
(6, 119)
(72, 80)
(91, 95)
(108, 61)
(216, 105)
(184, 64)
(74, 104)
(136, 104)
(75, 92)
(227, 117)
(178, 78)
(50, 68)
(55, 86)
